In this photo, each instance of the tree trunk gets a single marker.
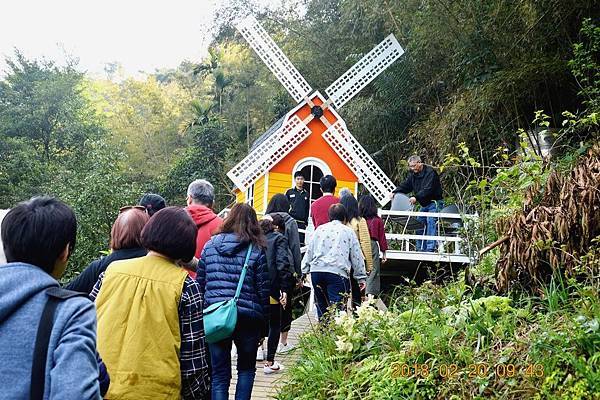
(247, 122)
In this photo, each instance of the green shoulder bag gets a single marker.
(220, 318)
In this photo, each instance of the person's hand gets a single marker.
(191, 265)
(283, 299)
(384, 260)
(391, 195)
(412, 200)
(362, 286)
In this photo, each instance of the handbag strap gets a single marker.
(40, 352)
(243, 274)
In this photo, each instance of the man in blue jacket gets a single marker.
(38, 238)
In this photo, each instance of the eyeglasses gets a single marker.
(125, 208)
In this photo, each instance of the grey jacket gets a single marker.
(334, 248)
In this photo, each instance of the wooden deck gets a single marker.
(265, 386)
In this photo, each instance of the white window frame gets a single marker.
(250, 195)
(317, 162)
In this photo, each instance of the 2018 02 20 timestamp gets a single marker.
(474, 370)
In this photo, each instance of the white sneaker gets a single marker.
(273, 369)
(260, 354)
(284, 348)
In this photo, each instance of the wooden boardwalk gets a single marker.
(265, 386)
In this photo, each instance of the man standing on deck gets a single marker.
(424, 183)
(299, 203)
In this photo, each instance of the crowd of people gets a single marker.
(130, 325)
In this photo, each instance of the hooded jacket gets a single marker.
(219, 271)
(71, 366)
(291, 233)
(208, 224)
(278, 262)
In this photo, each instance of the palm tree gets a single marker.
(221, 82)
(211, 63)
(200, 115)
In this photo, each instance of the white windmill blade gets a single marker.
(274, 58)
(359, 161)
(268, 153)
(364, 71)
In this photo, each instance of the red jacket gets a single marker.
(208, 224)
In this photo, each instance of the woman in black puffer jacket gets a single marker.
(219, 270)
(282, 282)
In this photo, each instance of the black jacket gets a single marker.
(293, 239)
(299, 204)
(87, 279)
(424, 185)
(278, 263)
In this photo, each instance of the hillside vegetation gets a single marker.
(480, 86)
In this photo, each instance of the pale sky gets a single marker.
(141, 35)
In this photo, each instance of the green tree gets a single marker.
(42, 104)
(44, 121)
(144, 117)
(204, 159)
(95, 186)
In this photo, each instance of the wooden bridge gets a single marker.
(265, 386)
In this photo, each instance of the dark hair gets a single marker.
(367, 206)
(153, 203)
(351, 205)
(298, 173)
(337, 212)
(279, 223)
(328, 184)
(37, 231)
(243, 222)
(126, 232)
(278, 203)
(172, 233)
(266, 225)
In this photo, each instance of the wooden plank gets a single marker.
(266, 386)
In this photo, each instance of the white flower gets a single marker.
(368, 313)
(345, 321)
(343, 345)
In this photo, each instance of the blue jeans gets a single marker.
(430, 226)
(329, 289)
(246, 337)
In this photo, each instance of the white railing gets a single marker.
(2, 256)
(449, 247)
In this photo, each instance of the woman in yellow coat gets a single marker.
(360, 227)
(150, 328)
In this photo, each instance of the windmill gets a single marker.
(315, 114)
